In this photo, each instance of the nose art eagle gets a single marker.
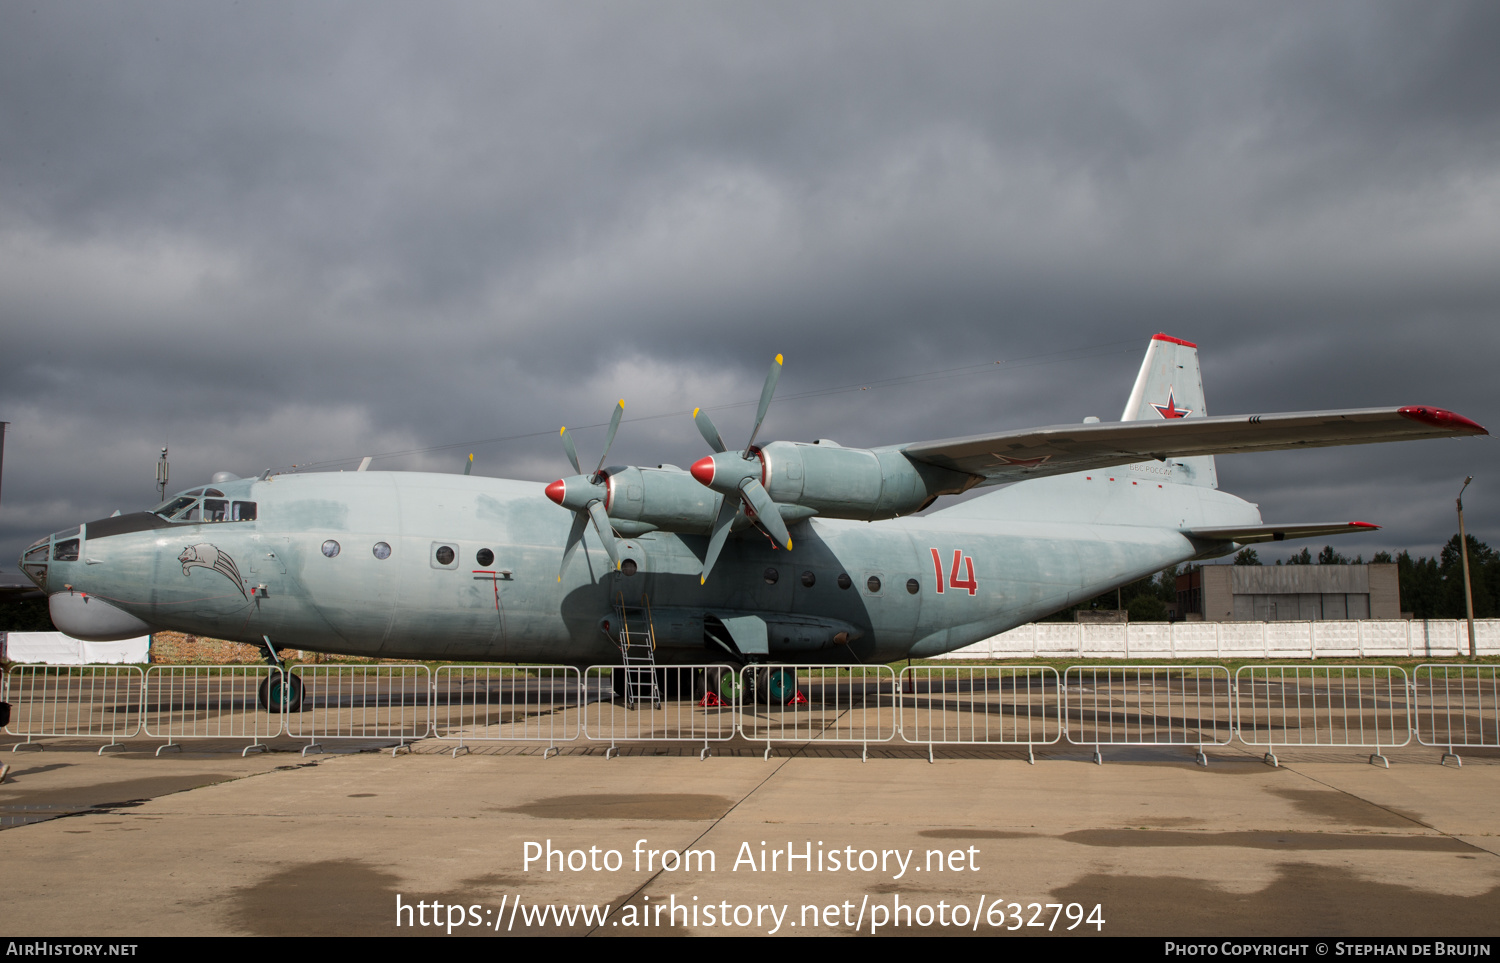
(204, 555)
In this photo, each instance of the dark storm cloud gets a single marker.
(279, 234)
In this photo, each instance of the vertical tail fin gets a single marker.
(1170, 385)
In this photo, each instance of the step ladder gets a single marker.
(637, 642)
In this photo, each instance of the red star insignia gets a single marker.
(1170, 409)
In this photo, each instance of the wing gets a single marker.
(1031, 453)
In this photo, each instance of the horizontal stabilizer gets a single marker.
(1058, 449)
(1246, 534)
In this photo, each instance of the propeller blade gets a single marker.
(772, 376)
(572, 452)
(575, 535)
(708, 431)
(728, 508)
(766, 512)
(614, 426)
(605, 530)
(469, 465)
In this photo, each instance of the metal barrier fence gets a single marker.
(358, 702)
(818, 703)
(1148, 705)
(980, 705)
(212, 702)
(1363, 706)
(678, 703)
(495, 703)
(1302, 705)
(80, 701)
(1456, 706)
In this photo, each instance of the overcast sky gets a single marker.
(275, 234)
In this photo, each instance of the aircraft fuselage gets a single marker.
(450, 567)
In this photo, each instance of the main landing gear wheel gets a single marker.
(776, 687)
(723, 681)
(281, 693)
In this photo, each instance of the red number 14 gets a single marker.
(953, 580)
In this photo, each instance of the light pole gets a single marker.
(1463, 547)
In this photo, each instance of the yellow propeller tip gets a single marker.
(622, 402)
(702, 579)
(563, 430)
(695, 412)
(778, 359)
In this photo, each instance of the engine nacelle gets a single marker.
(820, 478)
(668, 499)
(860, 483)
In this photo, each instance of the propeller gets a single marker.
(584, 495)
(737, 476)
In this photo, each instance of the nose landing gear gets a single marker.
(281, 692)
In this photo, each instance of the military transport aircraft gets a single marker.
(760, 554)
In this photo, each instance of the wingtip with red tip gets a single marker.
(1442, 418)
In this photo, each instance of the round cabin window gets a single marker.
(484, 557)
(771, 575)
(330, 548)
(844, 580)
(444, 555)
(381, 550)
(809, 580)
(873, 584)
(913, 586)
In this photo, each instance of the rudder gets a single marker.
(1170, 385)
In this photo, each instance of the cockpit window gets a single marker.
(177, 508)
(191, 512)
(213, 507)
(65, 551)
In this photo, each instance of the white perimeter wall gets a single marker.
(1433, 639)
(54, 648)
